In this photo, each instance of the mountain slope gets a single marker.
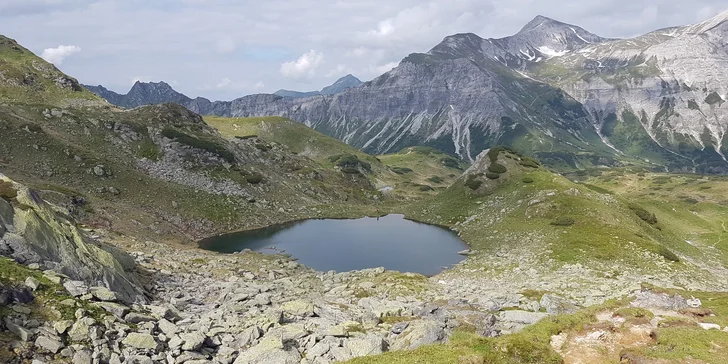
(142, 93)
(659, 95)
(27, 78)
(159, 170)
(340, 85)
(455, 98)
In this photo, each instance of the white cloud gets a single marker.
(226, 45)
(378, 70)
(59, 54)
(259, 85)
(224, 83)
(304, 67)
(339, 71)
(384, 29)
(202, 42)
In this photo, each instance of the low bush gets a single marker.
(563, 221)
(527, 180)
(643, 214)
(7, 191)
(149, 150)
(491, 175)
(425, 188)
(669, 255)
(350, 162)
(450, 162)
(401, 170)
(473, 182)
(254, 178)
(350, 170)
(529, 162)
(435, 179)
(245, 137)
(497, 168)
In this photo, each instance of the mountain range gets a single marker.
(339, 86)
(151, 93)
(571, 97)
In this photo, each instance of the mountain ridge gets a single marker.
(647, 99)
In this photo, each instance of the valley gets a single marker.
(596, 231)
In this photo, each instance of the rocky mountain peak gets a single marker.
(540, 21)
(710, 24)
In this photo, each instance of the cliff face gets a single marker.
(33, 231)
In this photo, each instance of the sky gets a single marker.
(224, 49)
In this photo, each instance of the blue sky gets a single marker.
(223, 49)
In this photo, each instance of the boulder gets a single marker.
(39, 233)
(556, 305)
(270, 350)
(370, 345)
(137, 318)
(192, 341)
(80, 329)
(82, 357)
(418, 333)
(51, 345)
(522, 317)
(103, 294)
(115, 309)
(76, 288)
(19, 331)
(32, 283)
(298, 308)
(167, 327)
(140, 341)
(62, 326)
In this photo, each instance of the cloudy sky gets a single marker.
(222, 49)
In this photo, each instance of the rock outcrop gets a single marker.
(33, 231)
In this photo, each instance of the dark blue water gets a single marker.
(343, 245)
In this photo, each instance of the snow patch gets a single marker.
(550, 52)
(580, 37)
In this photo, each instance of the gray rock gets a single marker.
(137, 318)
(167, 327)
(418, 333)
(370, 345)
(522, 317)
(32, 283)
(80, 329)
(76, 288)
(250, 335)
(115, 309)
(82, 357)
(62, 326)
(650, 299)
(103, 294)
(99, 171)
(19, 331)
(298, 308)
(319, 349)
(556, 305)
(270, 350)
(140, 341)
(51, 345)
(399, 327)
(193, 341)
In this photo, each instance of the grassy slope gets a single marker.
(428, 170)
(692, 210)
(424, 162)
(29, 79)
